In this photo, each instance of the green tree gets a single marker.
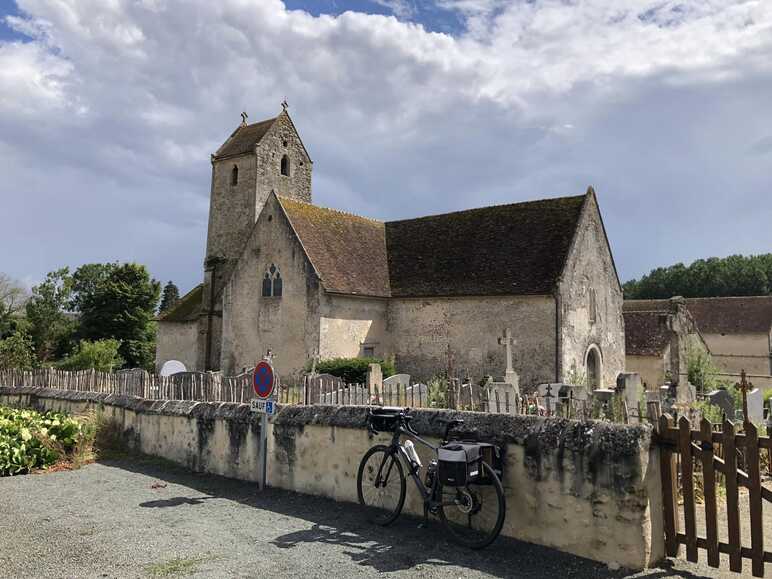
(12, 299)
(101, 355)
(51, 326)
(171, 295)
(119, 302)
(735, 275)
(17, 351)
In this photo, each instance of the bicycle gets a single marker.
(472, 512)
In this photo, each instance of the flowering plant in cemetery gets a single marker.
(30, 440)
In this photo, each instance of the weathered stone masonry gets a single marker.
(588, 488)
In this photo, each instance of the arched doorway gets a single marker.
(594, 366)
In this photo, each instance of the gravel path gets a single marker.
(140, 517)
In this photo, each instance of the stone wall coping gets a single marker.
(605, 440)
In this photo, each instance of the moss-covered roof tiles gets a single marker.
(187, 309)
(646, 333)
(348, 251)
(244, 138)
(516, 249)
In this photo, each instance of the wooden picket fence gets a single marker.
(200, 386)
(681, 449)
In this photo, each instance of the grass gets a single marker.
(178, 567)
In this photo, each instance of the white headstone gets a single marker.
(397, 379)
(756, 406)
(172, 367)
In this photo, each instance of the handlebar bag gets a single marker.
(384, 419)
(458, 463)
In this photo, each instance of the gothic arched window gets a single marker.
(593, 305)
(273, 285)
(285, 166)
(234, 175)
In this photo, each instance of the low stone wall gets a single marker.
(587, 488)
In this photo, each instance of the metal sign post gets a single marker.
(263, 384)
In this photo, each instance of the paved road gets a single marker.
(144, 518)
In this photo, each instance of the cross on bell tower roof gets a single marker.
(244, 117)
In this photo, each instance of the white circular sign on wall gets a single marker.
(172, 367)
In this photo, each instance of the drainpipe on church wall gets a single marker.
(558, 341)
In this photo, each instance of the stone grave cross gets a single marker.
(744, 386)
(510, 377)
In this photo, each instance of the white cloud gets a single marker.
(534, 98)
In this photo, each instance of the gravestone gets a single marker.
(375, 383)
(755, 406)
(502, 392)
(548, 396)
(724, 401)
(319, 388)
(630, 388)
(510, 376)
(172, 367)
(395, 387)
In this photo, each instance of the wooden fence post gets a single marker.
(667, 461)
(709, 480)
(754, 486)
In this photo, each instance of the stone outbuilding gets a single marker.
(738, 331)
(659, 337)
(433, 292)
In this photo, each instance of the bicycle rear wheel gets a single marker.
(381, 485)
(474, 514)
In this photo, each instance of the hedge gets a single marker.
(352, 370)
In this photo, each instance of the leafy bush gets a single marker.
(352, 370)
(437, 391)
(31, 440)
(101, 355)
(16, 351)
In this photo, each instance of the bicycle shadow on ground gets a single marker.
(402, 546)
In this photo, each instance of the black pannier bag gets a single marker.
(384, 419)
(459, 463)
(491, 455)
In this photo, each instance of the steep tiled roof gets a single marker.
(187, 309)
(515, 249)
(244, 138)
(348, 251)
(646, 333)
(512, 249)
(736, 315)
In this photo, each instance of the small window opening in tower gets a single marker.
(235, 175)
(285, 166)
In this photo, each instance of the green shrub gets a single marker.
(16, 351)
(31, 440)
(352, 370)
(101, 355)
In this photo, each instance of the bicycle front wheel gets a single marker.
(474, 514)
(381, 485)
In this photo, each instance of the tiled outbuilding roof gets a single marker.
(734, 315)
(646, 333)
(647, 305)
(516, 249)
(348, 251)
(244, 138)
(187, 309)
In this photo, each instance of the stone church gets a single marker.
(283, 274)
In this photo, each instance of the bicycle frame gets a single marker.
(427, 494)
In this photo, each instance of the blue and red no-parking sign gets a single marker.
(264, 380)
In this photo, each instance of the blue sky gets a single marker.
(109, 112)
